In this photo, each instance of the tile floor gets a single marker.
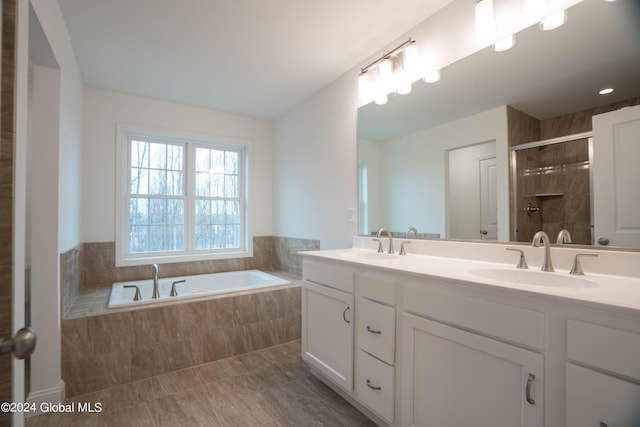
(269, 387)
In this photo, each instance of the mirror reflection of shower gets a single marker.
(551, 186)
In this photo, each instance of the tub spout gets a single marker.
(156, 293)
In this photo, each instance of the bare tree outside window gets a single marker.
(162, 213)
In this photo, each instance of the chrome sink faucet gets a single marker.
(156, 293)
(411, 230)
(541, 236)
(563, 237)
(384, 230)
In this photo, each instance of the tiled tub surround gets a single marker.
(104, 347)
(89, 270)
(122, 346)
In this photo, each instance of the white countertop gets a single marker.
(600, 290)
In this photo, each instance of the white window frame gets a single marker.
(188, 139)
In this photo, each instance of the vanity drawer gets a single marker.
(333, 275)
(376, 329)
(379, 287)
(507, 322)
(603, 347)
(376, 385)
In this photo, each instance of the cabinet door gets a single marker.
(454, 378)
(327, 332)
(599, 400)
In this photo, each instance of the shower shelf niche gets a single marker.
(544, 195)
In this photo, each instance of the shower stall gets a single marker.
(551, 188)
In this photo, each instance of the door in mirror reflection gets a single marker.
(471, 192)
(488, 199)
(616, 199)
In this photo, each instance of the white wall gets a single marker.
(314, 168)
(414, 171)
(70, 143)
(56, 120)
(370, 153)
(104, 109)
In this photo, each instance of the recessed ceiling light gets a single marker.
(606, 91)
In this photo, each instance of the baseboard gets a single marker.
(44, 398)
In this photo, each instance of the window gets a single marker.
(180, 199)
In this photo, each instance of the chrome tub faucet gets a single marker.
(156, 293)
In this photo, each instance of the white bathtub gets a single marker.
(193, 287)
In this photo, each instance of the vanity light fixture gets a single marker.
(504, 43)
(553, 21)
(534, 7)
(485, 20)
(364, 86)
(606, 91)
(431, 76)
(396, 70)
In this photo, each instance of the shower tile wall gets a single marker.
(7, 141)
(580, 121)
(555, 179)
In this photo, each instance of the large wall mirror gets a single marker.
(441, 159)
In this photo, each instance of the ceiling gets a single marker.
(546, 74)
(253, 57)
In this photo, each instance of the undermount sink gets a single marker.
(370, 256)
(537, 278)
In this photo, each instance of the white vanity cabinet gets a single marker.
(327, 322)
(602, 377)
(376, 343)
(419, 350)
(456, 378)
(465, 362)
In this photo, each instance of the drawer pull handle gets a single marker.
(372, 330)
(373, 387)
(603, 424)
(344, 314)
(528, 392)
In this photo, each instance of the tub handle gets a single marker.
(174, 293)
(137, 296)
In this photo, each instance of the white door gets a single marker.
(454, 378)
(616, 175)
(13, 274)
(327, 332)
(488, 199)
